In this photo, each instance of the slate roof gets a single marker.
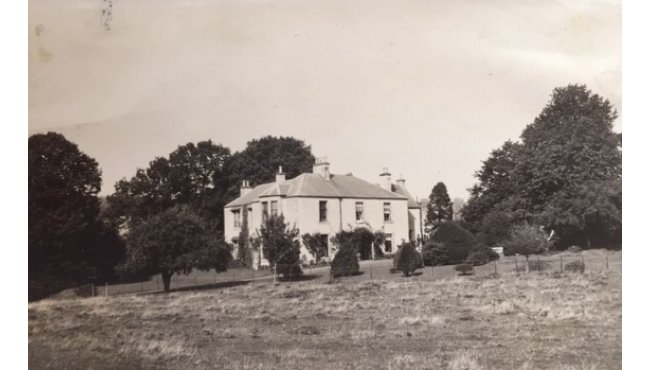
(399, 189)
(313, 185)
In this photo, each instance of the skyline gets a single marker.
(426, 89)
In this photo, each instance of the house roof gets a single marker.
(313, 185)
(400, 189)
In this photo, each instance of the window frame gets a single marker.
(322, 211)
(389, 214)
(359, 211)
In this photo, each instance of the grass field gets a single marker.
(546, 320)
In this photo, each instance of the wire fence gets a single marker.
(369, 270)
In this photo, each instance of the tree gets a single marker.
(526, 240)
(345, 262)
(243, 243)
(440, 208)
(175, 241)
(457, 206)
(565, 173)
(456, 239)
(407, 259)
(192, 175)
(65, 234)
(434, 253)
(495, 228)
(280, 246)
(316, 245)
(259, 162)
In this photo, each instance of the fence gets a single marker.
(370, 270)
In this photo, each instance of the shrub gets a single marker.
(537, 265)
(526, 240)
(575, 266)
(574, 249)
(464, 269)
(345, 261)
(434, 254)
(480, 254)
(281, 246)
(407, 259)
(458, 240)
(362, 239)
(495, 228)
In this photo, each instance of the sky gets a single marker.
(425, 88)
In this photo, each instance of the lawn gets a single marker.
(542, 320)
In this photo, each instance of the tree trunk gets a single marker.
(166, 277)
(527, 265)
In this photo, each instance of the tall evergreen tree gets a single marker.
(440, 207)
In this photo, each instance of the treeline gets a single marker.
(563, 175)
(167, 218)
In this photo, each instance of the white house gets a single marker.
(324, 203)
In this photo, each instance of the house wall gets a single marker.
(303, 213)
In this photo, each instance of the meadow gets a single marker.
(541, 320)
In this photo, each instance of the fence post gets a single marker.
(370, 272)
(275, 273)
(156, 283)
(92, 286)
(495, 269)
(141, 288)
(105, 289)
(561, 265)
(516, 266)
(607, 262)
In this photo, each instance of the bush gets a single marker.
(362, 239)
(537, 265)
(407, 259)
(458, 240)
(574, 249)
(526, 240)
(575, 266)
(481, 254)
(345, 261)
(464, 269)
(434, 254)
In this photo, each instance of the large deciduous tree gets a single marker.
(192, 175)
(259, 161)
(565, 173)
(68, 242)
(176, 240)
(440, 207)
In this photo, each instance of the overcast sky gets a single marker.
(425, 88)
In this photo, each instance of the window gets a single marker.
(359, 211)
(265, 210)
(274, 208)
(387, 212)
(324, 240)
(236, 218)
(322, 210)
(388, 243)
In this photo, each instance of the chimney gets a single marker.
(401, 182)
(245, 188)
(384, 179)
(322, 167)
(280, 177)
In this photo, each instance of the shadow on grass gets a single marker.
(305, 277)
(220, 285)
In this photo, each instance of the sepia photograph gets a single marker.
(324, 184)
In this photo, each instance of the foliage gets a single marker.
(538, 265)
(495, 228)
(434, 253)
(345, 261)
(457, 240)
(526, 240)
(243, 247)
(480, 254)
(193, 175)
(565, 173)
(464, 269)
(174, 241)
(68, 242)
(315, 245)
(575, 266)
(574, 249)
(281, 246)
(259, 161)
(362, 239)
(407, 259)
(439, 208)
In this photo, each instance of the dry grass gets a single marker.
(537, 321)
